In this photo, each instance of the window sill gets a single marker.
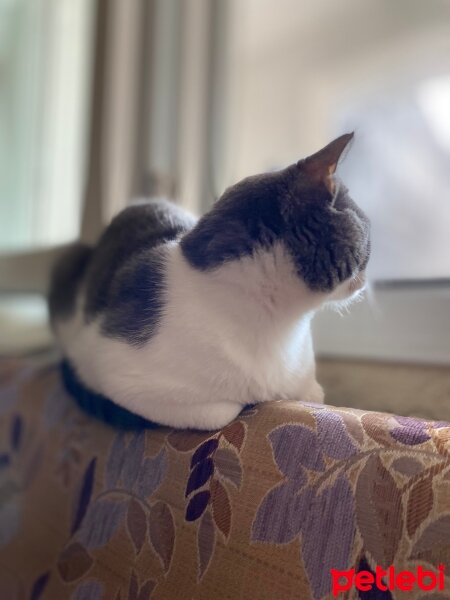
(400, 323)
(24, 325)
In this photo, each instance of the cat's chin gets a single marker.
(357, 284)
(349, 291)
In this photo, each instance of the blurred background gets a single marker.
(104, 101)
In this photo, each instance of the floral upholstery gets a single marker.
(262, 509)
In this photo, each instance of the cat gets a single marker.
(183, 322)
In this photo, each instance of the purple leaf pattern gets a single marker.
(136, 524)
(327, 534)
(215, 464)
(420, 503)
(140, 593)
(441, 425)
(281, 514)
(206, 542)
(133, 460)
(152, 472)
(101, 522)
(8, 396)
(410, 436)
(88, 590)
(57, 407)
(374, 593)
(133, 587)
(39, 586)
(331, 428)
(31, 464)
(353, 425)
(413, 422)
(411, 431)
(406, 465)
(9, 513)
(185, 441)
(74, 562)
(326, 517)
(146, 590)
(228, 466)
(436, 536)
(294, 446)
(197, 505)
(84, 496)
(5, 460)
(16, 432)
(221, 507)
(287, 488)
(234, 433)
(200, 474)
(115, 461)
(204, 450)
(378, 426)
(162, 533)
(379, 511)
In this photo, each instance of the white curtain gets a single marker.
(45, 58)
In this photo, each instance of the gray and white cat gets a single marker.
(184, 322)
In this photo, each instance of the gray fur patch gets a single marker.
(135, 229)
(65, 280)
(123, 275)
(327, 237)
(125, 278)
(136, 298)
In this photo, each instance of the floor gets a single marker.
(422, 391)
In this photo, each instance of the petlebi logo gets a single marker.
(388, 580)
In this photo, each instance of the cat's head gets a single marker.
(305, 209)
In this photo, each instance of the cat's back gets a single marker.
(124, 283)
(119, 269)
(138, 232)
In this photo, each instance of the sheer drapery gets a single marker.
(45, 58)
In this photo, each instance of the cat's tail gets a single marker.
(65, 279)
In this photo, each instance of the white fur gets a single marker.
(238, 335)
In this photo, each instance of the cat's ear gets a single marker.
(321, 166)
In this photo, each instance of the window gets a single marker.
(304, 72)
(189, 96)
(45, 57)
(398, 171)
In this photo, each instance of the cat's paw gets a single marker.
(214, 415)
